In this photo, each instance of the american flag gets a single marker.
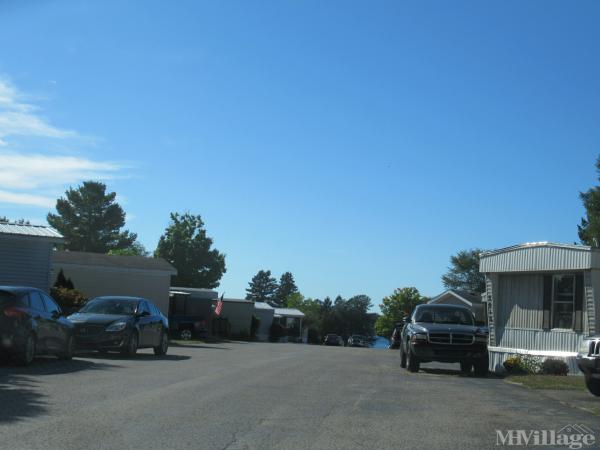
(219, 306)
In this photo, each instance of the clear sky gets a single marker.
(355, 144)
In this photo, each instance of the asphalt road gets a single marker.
(248, 395)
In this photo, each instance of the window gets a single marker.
(563, 301)
(36, 302)
(51, 306)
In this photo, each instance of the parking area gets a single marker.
(250, 395)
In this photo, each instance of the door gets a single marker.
(58, 335)
(145, 324)
(41, 318)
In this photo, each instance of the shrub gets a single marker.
(554, 367)
(70, 300)
(522, 365)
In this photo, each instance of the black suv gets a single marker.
(588, 360)
(31, 323)
(444, 333)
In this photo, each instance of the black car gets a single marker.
(588, 360)
(31, 323)
(333, 339)
(121, 324)
(444, 333)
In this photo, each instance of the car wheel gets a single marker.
(465, 367)
(162, 348)
(482, 366)
(402, 358)
(412, 362)
(67, 354)
(132, 345)
(186, 334)
(593, 385)
(28, 354)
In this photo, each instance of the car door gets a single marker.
(40, 316)
(57, 333)
(145, 324)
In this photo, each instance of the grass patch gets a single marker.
(549, 382)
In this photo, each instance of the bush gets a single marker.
(69, 300)
(554, 367)
(522, 365)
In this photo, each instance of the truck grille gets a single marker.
(594, 348)
(451, 338)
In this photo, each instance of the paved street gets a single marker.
(247, 395)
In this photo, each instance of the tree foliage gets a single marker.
(287, 286)
(589, 229)
(135, 249)
(90, 219)
(395, 307)
(187, 247)
(463, 273)
(262, 288)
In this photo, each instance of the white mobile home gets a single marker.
(542, 299)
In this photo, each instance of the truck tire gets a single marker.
(593, 385)
(481, 366)
(412, 362)
(465, 366)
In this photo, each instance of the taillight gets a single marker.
(14, 312)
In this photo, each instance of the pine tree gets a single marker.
(589, 229)
(262, 288)
(287, 287)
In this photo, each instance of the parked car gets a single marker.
(31, 323)
(444, 333)
(333, 339)
(588, 360)
(357, 340)
(122, 324)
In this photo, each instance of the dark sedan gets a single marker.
(122, 324)
(31, 323)
(444, 333)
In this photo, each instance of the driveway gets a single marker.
(250, 395)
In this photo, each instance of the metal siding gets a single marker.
(558, 341)
(520, 301)
(534, 259)
(595, 275)
(24, 262)
(589, 306)
(30, 230)
(497, 358)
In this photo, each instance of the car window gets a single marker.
(51, 305)
(143, 307)
(114, 306)
(36, 302)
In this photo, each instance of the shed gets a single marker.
(543, 300)
(264, 312)
(469, 299)
(290, 318)
(97, 274)
(238, 312)
(25, 254)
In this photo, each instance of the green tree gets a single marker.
(589, 229)
(135, 249)
(186, 245)
(262, 288)
(395, 307)
(287, 286)
(91, 220)
(463, 273)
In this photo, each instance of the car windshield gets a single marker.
(116, 306)
(444, 315)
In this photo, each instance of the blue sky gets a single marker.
(355, 144)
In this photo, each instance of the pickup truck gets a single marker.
(588, 360)
(444, 333)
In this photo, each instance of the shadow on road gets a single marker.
(198, 346)
(450, 372)
(19, 394)
(139, 357)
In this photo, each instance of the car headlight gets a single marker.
(116, 326)
(418, 337)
